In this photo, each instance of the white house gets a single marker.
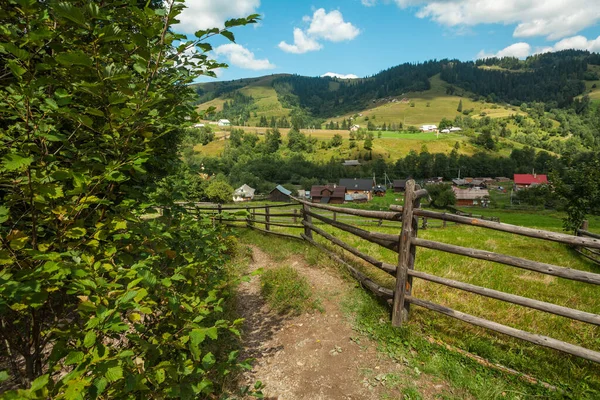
(445, 130)
(455, 129)
(223, 122)
(428, 128)
(354, 128)
(199, 126)
(243, 193)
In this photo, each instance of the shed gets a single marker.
(471, 197)
(279, 194)
(379, 190)
(523, 181)
(223, 122)
(351, 163)
(399, 185)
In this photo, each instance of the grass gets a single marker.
(441, 105)
(414, 344)
(581, 378)
(287, 292)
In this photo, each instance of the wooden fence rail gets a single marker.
(589, 253)
(406, 242)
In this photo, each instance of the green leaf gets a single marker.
(4, 376)
(51, 103)
(228, 35)
(74, 357)
(74, 58)
(90, 339)
(75, 233)
(13, 162)
(70, 12)
(114, 374)
(197, 336)
(16, 69)
(4, 214)
(208, 360)
(39, 382)
(140, 68)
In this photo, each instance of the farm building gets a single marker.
(356, 186)
(243, 193)
(428, 128)
(502, 179)
(280, 194)
(459, 182)
(379, 190)
(223, 122)
(328, 194)
(399, 185)
(354, 128)
(471, 197)
(351, 163)
(523, 181)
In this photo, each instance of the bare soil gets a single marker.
(316, 355)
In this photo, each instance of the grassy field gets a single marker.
(579, 378)
(441, 105)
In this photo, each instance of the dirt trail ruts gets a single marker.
(315, 355)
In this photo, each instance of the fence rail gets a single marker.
(589, 253)
(407, 219)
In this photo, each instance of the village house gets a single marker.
(279, 194)
(354, 128)
(351, 163)
(523, 181)
(428, 128)
(243, 193)
(471, 197)
(399, 185)
(328, 194)
(223, 122)
(356, 186)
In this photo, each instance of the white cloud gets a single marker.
(518, 50)
(239, 56)
(203, 14)
(331, 26)
(340, 76)
(368, 3)
(554, 19)
(302, 43)
(323, 26)
(523, 50)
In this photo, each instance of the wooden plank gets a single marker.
(286, 235)
(382, 239)
(277, 214)
(377, 290)
(389, 268)
(592, 259)
(507, 330)
(399, 312)
(306, 217)
(278, 224)
(511, 298)
(191, 205)
(548, 269)
(519, 230)
(589, 234)
(267, 218)
(387, 215)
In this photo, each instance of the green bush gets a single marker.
(97, 299)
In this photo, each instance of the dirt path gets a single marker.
(313, 356)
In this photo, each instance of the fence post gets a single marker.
(585, 225)
(307, 218)
(248, 222)
(406, 257)
(424, 223)
(219, 208)
(295, 216)
(444, 223)
(267, 218)
(334, 216)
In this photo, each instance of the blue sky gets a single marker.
(362, 37)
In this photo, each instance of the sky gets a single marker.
(358, 38)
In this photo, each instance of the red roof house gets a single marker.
(526, 180)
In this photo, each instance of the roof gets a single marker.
(282, 190)
(357, 184)
(333, 192)
(528, 179)
(459, 182)
(244, 190)
(350, 163)
(470, 194)
(379, 188)
(224, 121)
(399, 183)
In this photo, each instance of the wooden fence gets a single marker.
(405, 244)
(589, 253)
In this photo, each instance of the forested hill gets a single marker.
(553, 78)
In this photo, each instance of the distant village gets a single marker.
(469, 191)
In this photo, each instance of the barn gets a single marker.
(280, 194)
(471, 197)
(327, 194)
